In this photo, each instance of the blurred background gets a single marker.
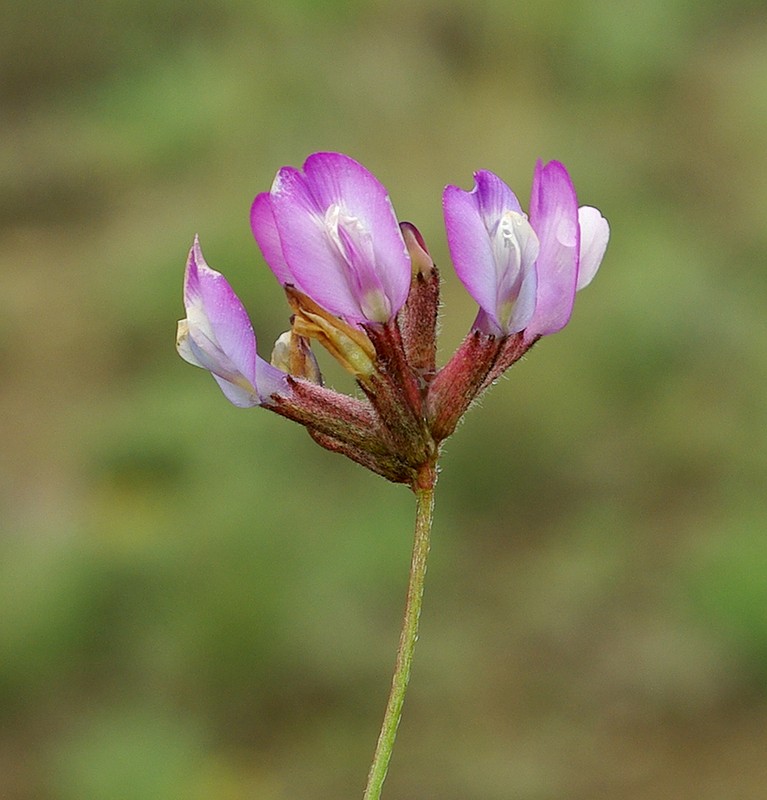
(198, 602)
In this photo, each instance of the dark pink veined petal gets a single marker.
(554, 217)
(268, 238)
(494, 197)
(595, 233)
(340, 237)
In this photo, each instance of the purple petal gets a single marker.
(495, 198)
(340, 237)
(212, 304)
(493, 249)
(268, 238)
(270, 380)
(216, 334)
(554, 217)
(470, 248)
(595, 232)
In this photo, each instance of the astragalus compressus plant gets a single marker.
(364, 287)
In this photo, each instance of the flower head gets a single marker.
(330, 231)
(365, 288)
(523, 272)
(217, 335)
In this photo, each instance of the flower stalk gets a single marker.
(408, 637)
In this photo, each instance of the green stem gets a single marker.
(408, 637)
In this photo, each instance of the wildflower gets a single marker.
(217, 335)
(493, 248)
(331, 232)
(366, 289)
(523, 272)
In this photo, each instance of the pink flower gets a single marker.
(217, 336)
(331, 232)
(523, 272)
(366, 289)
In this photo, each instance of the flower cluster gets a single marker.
(364, 286)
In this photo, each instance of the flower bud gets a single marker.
(418, 317)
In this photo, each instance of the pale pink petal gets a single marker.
(268, 238)
(470, 247)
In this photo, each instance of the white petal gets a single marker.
(595, 231)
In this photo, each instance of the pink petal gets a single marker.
(268, 238)
(315, 264)
(472, 219)
(470, 247)
(371, 259)
(493, 195)
(554, 217)
(211, 302)
(217, 335)
(338, 179)
(595, 232)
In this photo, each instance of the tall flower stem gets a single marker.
(408, 638)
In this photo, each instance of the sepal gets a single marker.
(460, 382)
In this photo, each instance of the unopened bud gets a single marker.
(420, 258)
(418, 317)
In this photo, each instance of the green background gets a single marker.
(196, 601)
